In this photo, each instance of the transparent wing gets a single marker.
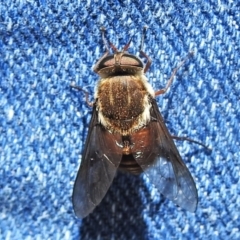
(100, 161)
(162, 163)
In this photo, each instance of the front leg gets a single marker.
(90, 104)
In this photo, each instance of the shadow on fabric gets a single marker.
(119, 215)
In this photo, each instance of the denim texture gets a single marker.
(47, 45)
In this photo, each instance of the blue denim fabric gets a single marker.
(46, 45)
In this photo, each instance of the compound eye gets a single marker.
(131, 60)
(123, 60)
(119, 63)
(107, 62)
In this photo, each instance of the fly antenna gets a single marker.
(127, 45)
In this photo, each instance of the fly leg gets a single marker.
(162, 91)
(90, 104)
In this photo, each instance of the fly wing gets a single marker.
(156, 153)
(100, 161)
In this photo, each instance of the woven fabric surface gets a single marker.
(47, 45)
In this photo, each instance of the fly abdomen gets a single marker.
(128, 164)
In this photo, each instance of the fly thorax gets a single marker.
(123, 103)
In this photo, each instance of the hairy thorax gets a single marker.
(123, 103)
